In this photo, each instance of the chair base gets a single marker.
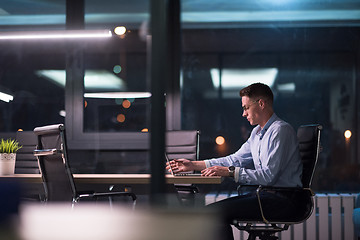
(264, 232)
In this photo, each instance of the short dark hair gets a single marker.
(258, 90)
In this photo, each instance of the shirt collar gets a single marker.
(262, 131)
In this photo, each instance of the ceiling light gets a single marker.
(64, 34)
(6, 97)
(236, 79)
(270, 16)
(286, 87)
(121, 30)
(93, 79)
(118, 95)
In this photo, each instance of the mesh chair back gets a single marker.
(57, 178)
(309, 146)
(26, 162)
(182, 144)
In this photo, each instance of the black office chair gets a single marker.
(26, 162)
(266, 227)
(53, 161)
(183, 144)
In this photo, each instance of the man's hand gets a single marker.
(180, 165)
(185, 165)
(216, 171)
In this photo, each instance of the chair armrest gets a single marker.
(241, 189)
(46, 152)
(285, 189)
(272, 188)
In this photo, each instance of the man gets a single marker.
(269, 157)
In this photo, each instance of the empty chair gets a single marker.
(26, 162)
(309, 146)
(55, 168)
(183, 144)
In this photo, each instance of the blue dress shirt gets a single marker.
(270, 157)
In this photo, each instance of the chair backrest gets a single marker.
(26, 162)
(309, 146)
(182, 144)
(52, 157)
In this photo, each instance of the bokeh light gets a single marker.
(347, 134)
(117, 69)
(120, 118)
(220, 140)
(121, 30)
(126, 104)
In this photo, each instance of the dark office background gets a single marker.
(314, 63)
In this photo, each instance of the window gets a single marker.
(119, 100)
(310, 68)
(35, 99)
(308, 52)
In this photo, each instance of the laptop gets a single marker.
(179, 174)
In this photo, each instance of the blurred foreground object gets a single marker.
(93, 222)
(9, 207)
(9, 202)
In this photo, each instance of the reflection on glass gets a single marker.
(28, 99)
(309, 85)
(93, 79)
(117, 92)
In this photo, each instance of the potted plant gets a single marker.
(8, 149)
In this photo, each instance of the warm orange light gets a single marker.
(20, 130)
(126, 103)
(145, 130)
(220, 140)
(85, 104)
(120, 118)
(347, 134)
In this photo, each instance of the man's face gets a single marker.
(251, 110)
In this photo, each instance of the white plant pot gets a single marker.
(7, 163)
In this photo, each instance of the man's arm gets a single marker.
(185, 165)
(241, 158)
(216, 166)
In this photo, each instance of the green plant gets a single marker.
(9, 146)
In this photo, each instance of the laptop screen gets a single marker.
(170, 168)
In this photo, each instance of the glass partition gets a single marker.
(28, 96)
(307, 51)
(300, 49)
(119, 99)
